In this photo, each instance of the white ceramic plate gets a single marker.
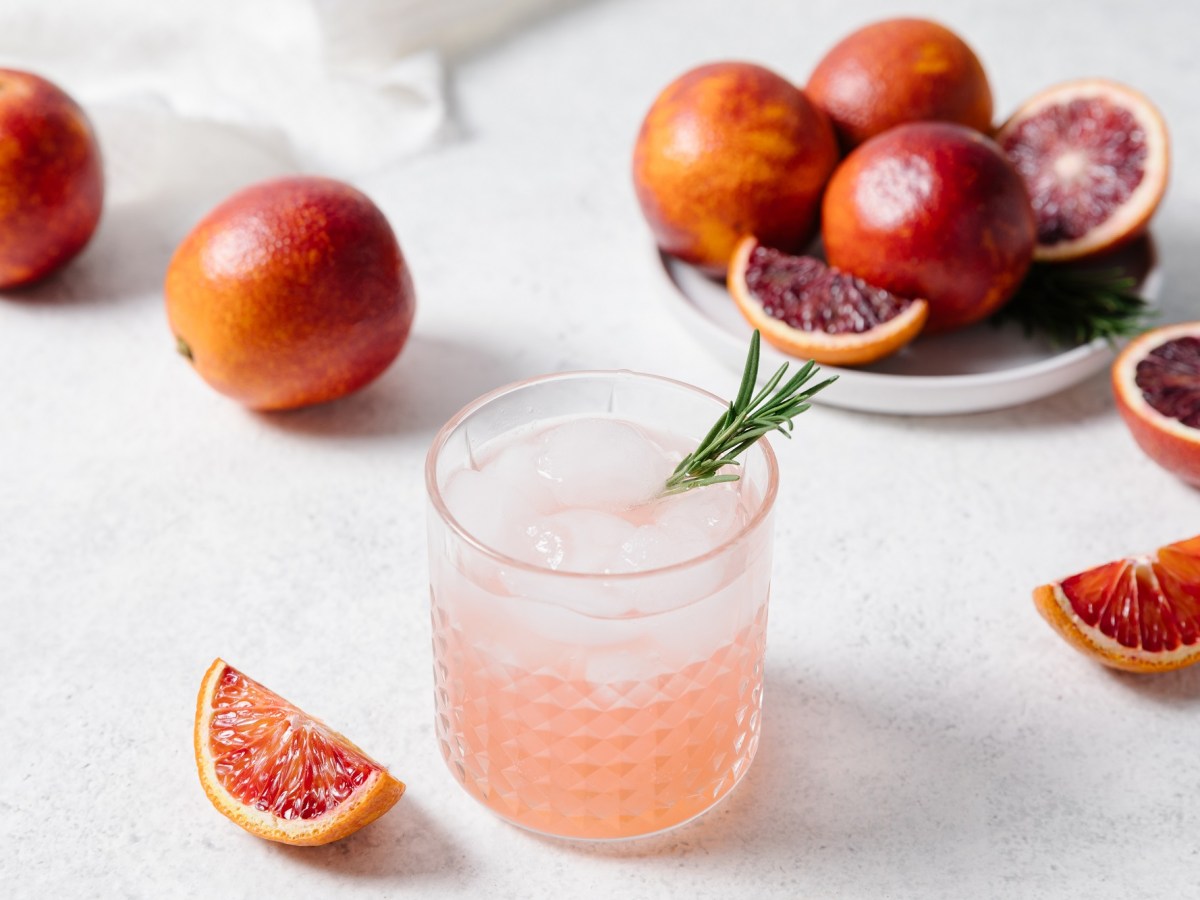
(976, 369)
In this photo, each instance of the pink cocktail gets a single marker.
(598, 648)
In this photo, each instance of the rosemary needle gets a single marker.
(750, 416)
(1073, 306)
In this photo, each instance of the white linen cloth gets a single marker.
(337, 86)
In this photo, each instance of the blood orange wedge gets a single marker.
(278, 772)
(1141, 613)
(812, 310)
(1094, 155)
(1156, 382)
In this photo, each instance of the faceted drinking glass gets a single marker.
(597, 706)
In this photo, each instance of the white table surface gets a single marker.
(925, 734)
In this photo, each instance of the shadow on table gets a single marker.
(1179, 689)
(125, 261)
(1089, 400)
(1176, 236)
(163, 171)
(837, 781)
(406, 842)
(433, 378)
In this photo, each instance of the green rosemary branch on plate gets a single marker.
(1074, 306)
(750, 416)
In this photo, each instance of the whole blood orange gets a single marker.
(291, 292)
(932, 210)
(51, 178)
(276, 771)
(898, 71)
(809, 310)
(1094, 155)
(1156, 383)
(1141, 613)
(726, 150)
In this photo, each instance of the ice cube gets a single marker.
(682, 527)
(516, 463)
(712, 513)
(602, 464)
(652, 547)
(699, 628)
(557, 600)
(488, 509)
(542, 543)
(592, 539)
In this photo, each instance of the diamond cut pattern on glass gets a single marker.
(567, 756)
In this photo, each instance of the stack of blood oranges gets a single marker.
(929, 203)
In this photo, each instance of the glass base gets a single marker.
(620, 839)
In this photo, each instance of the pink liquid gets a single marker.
(579, 758)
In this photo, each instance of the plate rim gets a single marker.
(1151, 287)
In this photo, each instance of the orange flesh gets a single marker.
(1081, 158)
(804, 293)
(271, 756)
(1149, 604)
(1169, 379)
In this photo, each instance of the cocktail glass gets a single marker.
(597, 706)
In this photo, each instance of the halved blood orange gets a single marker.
(279, 773)
(1156, 383)
(814, 311)
(1094, 155)
(1141, 613)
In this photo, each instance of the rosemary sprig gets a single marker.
(750, 416)
(1074, 306)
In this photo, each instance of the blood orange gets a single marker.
(897, 71)
(811, 310)
(1156, 382)
(1094, 155)
(291, 292)
(51, 178)
(729, 149)
(1141, 613)
(279, 773)
(932, 210)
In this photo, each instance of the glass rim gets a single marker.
(443, 435)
